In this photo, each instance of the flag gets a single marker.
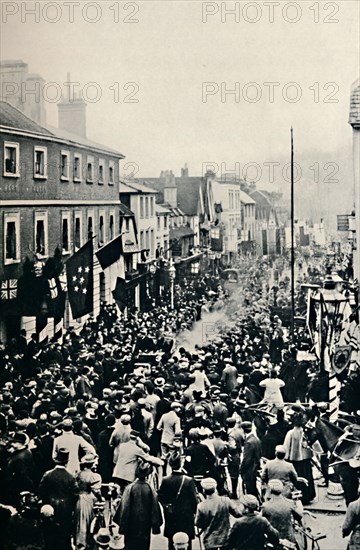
(311, 316)
(80, 280)
(8, 289)
(120, 293)
(110, 253)
(53, 288)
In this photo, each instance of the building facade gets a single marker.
(268, 235)
(247, 222)
(57, 191)
(354, 121)
(227, 194)
(141, 200)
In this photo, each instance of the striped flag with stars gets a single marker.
(80, 280)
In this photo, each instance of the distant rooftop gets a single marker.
(11, 62)
(354, 118)
(140, 187)
(11, 117)
(14, 119)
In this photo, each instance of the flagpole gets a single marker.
(292, 241)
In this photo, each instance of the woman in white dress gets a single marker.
(89, 492)
(273, 385)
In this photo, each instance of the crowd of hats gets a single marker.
(92, 376)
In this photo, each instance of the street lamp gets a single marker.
(172, 273)
(331, 306)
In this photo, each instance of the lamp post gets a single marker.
(172, 273)
(331, 306)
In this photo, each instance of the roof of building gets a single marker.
(262, 197)
(246, 199)
(80, 140)
(11, 117)
(188, 194)
(154, 183)
(229, 181)
(11, 62)
(125, 211)
(180, 232)
(141, 187)
(354, 117)
(125, 188)
(163, 209)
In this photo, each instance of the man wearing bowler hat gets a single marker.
(19, 468)
(139, 513)
(177, 495)
(58, 489)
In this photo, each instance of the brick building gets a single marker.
(57, 190)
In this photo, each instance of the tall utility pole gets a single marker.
(292, 240)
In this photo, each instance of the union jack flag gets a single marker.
(8, 289)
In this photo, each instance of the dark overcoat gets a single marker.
(185, 504)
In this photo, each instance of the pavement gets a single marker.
(325, 503)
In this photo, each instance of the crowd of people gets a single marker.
(119, 400)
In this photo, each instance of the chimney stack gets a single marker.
(185, 171)
(72, 113)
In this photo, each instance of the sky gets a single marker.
(164, 70)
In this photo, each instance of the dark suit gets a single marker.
(59, 489)
(248, 533)
(43, 456)
(250, 463)
(19, 475)
(106, 455)
(183, 517)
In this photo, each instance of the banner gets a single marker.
(80, 280)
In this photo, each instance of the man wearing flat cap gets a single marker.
(280, 469)
(213, 516)
(281, 511)
(251, 531)
(181, 541)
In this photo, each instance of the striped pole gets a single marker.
(45, 329)
(334, 396)
(59, 329)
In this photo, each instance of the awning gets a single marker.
(190, 259)
(181, 232)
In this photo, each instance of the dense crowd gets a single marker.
(118, 401)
